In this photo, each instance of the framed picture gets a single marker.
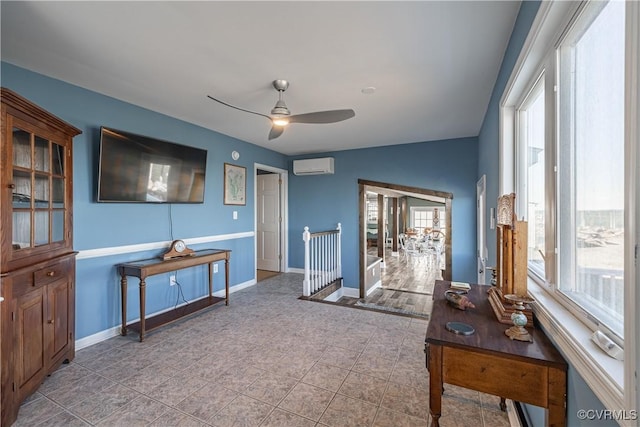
(235, 185)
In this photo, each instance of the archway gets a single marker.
(398, 192)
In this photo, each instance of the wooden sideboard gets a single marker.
(37, 261)
(490, 362)
(152, 266)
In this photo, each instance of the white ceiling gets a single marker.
(433, 63)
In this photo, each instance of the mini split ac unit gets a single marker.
(319, 166)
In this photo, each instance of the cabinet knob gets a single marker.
(51, 273)
(12, 186)
(50, 321)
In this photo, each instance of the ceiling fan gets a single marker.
(280, 115)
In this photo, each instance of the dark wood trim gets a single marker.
(362, 232)
(324, 292)
(448, 248)
(393, 221)
(381, 229)
(406, 188)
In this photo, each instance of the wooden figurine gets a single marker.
(511, 266)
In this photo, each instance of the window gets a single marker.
(422, 217)
(591, 164)
(372, 209)
(531, 174)
(569, 150)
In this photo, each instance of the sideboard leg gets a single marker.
(143, 286)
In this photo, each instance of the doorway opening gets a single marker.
(270, 221)
(402, 213)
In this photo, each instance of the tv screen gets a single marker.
(135, 168)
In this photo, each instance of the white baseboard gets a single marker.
(512, 412)
(295, 270)
(377, 285)
(115, 331)
(351, 292)
(96, 338)
(343, 292)
(335, 296)
(236, 288)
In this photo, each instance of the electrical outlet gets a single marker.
(172, 280)
(215, 268)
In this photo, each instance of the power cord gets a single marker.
(180, 293)
(171, 221)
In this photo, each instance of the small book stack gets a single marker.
(460, 286)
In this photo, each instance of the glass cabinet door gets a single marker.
(38, 190)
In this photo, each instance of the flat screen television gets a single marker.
(135, 168)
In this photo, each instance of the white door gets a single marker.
(268, 224)
(481, 249)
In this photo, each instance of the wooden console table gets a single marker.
(150, 267)
(488, 361)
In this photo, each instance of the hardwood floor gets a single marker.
(265, 274)
(406, 289)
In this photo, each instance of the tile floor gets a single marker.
(268, 359)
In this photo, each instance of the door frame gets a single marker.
(386, 188)
(284, 209)
(481, 230)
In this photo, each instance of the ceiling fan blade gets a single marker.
(331, 116)
(275, 132)
(238, 108)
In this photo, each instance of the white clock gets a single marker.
(179, 246)
(235, 155)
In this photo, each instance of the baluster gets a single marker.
(324, 260)
(339, 254)
(306, 284)
(313, 264)
(330, 255)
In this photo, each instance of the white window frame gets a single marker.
(537, 86)
(614, 382)
(428, 209)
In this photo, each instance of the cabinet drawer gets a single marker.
(521, 381)
(51, 273)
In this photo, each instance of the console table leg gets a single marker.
(557, 404)
(143, 286)
(435, 383)
(210, 279)
(123, 291)
(226, 281)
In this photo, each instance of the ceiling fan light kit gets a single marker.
(280, 121)
(281, 116)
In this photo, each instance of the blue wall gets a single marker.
(579, 394)
(114, 225)
(320, 202)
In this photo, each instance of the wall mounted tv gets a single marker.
(135, 168)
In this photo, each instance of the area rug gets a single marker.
(391, 310)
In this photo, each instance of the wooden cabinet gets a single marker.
(37, 263)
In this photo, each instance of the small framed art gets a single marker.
(235, 184)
